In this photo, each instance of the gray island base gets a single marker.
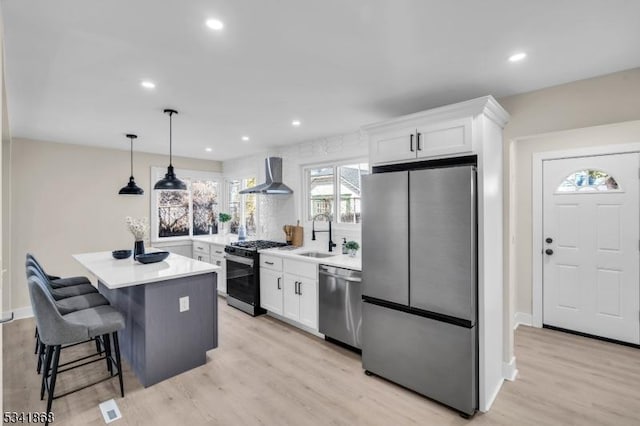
(159, 341)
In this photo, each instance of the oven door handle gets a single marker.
(238, 259)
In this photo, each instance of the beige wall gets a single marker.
(613, 98)
(65, 200)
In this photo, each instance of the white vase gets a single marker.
(352, 252)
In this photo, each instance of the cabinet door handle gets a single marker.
(218, 252)
(411, 143)
(300, 288)
(295, 285)
(418, 141)
(268, 263)
(279, 287)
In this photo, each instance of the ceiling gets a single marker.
(74, 67)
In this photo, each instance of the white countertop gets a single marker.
(216, 239)
(339, 260)
(118, 273)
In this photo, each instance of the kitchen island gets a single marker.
(170, 311)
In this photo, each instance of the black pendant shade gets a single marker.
(170, 181)
(131, 188)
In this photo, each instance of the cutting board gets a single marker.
(298, 235)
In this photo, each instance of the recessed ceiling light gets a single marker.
(295, 123)
(245, 138)
(517, 57)
(215, 24)
(148, 84)
(208, 149)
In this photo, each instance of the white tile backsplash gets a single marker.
(275, 211)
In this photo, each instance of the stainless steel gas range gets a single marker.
(243, 274)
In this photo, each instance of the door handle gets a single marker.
(411, 143)
(548, 252)
(300, 288)
(268, 263)
(549, 240)
(279, 287)
(418, 141)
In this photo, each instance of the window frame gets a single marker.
(335, 165)
(156, 174)
(227, 201)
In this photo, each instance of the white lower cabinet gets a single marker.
(213, 253)
(291, 295)
(308, 299)
(271, 290)
(218, 259)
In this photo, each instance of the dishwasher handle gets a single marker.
(342, 277)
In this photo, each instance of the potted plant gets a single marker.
(222, 219)
(352, 247)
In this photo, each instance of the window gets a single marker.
(588, 181)
(242, 207)
(180, 214)
(335, 192)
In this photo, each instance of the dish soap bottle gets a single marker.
(242, 233)
(344, 246)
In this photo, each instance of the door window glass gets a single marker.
(590, 180)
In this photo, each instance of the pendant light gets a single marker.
(131, 188)
(170, 180)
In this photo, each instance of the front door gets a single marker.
(591, 245)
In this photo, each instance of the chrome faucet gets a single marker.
(313, 230)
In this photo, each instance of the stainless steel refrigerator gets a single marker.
(419, 265)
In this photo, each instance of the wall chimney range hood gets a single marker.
(273, 181)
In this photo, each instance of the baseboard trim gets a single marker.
(490, 399)
(509, 370)
(21, 313)
(522, 318)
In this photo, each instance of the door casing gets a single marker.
(537, 213)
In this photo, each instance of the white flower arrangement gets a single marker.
(138, 227)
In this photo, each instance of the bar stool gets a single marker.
(66, 305)
(57, 330)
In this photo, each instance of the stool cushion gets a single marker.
(77, 303)
(70, 281)
(75, 290)
(99, 320)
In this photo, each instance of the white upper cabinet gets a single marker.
(444, 131)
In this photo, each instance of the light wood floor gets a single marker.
(268, 373)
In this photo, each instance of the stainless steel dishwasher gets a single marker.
(341, 305)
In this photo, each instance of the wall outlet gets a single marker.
(184, 303)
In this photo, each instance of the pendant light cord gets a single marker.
(131, 139)
(170, 140)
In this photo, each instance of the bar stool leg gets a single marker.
(107, 352)
(118, 361)
(98, 346)
(40, 356)
(37, 341)
(45, 373)
(54, 374)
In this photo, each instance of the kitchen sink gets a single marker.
(316, 254)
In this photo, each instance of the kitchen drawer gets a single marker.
(301, 268)
(217, 250)
(201, 256)
(200, 247)
(271, 262)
